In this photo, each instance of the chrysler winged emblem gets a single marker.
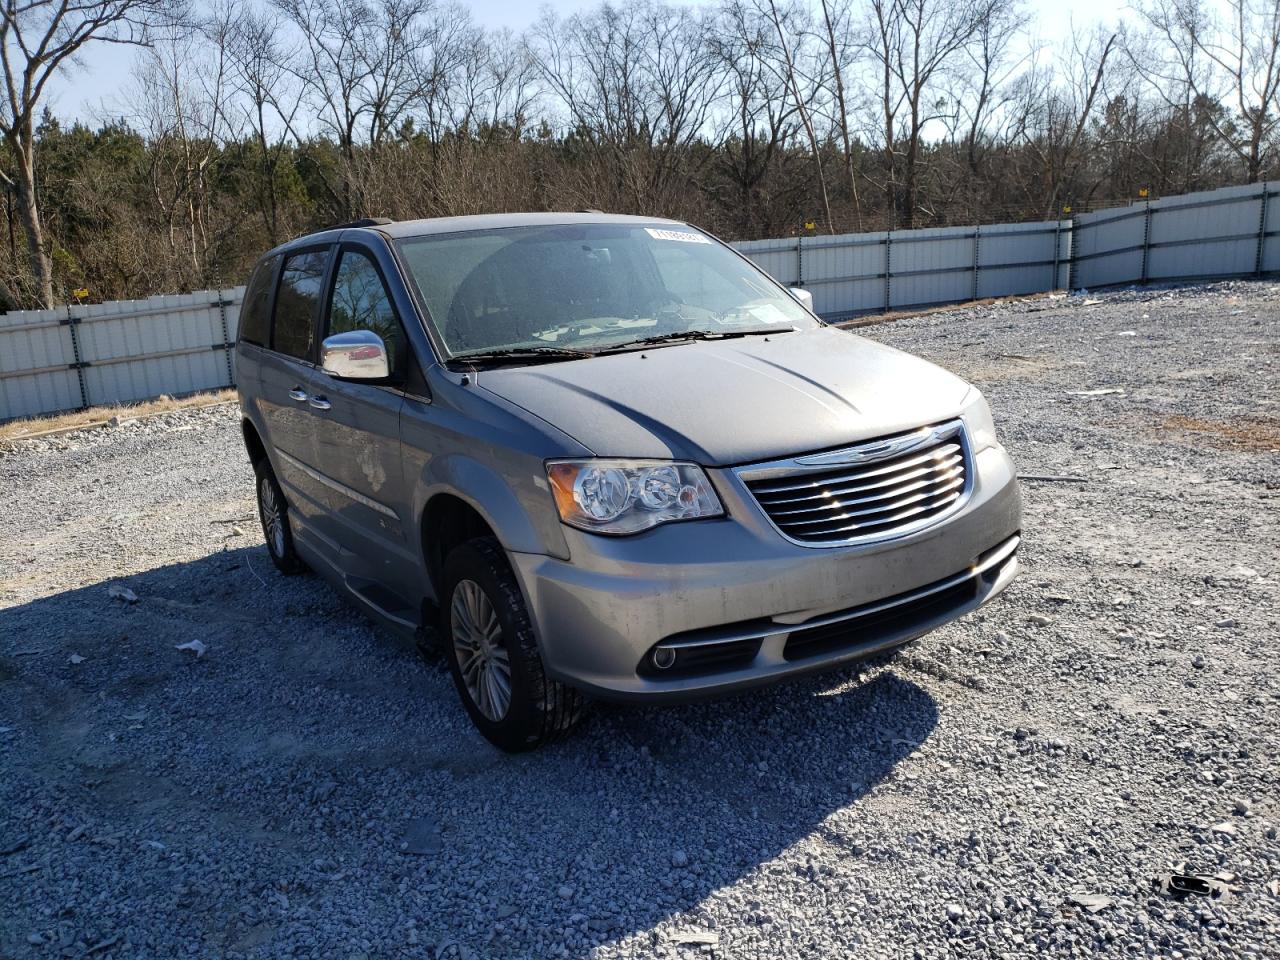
(875, 450)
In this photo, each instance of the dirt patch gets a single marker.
(1247, 433)
(99, 416)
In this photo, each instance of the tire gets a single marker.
(484, 623)
(273, 513)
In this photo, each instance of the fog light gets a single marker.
(664, 658)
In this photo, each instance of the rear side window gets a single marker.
(360, 302)
(255, 311)
(296, 302)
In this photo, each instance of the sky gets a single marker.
(94, 91)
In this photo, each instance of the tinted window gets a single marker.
(360, 302)
(255, 315)
(296, 302)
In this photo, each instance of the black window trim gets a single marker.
(325, 279)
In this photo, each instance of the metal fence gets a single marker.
(1214, 235)
(858, 273)
(94, 354)
(83, 356)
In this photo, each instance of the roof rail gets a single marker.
(362, 222)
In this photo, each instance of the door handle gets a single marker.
(298, 394)
(320, 403)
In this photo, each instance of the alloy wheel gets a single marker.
(477, 643)
(272, 521)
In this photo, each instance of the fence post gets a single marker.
(226, 338)
(1262, 231)
(976, 231)
(1146, 240)
(888, 265)
(800, 260)
(1057, 252)
(1073, 267)
(79, 363)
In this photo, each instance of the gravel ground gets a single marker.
(310, 787)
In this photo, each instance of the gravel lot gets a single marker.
(310, 786)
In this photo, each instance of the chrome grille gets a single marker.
(878, 489)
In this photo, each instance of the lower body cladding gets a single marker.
(705, 607)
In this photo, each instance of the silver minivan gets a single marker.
(607, 456)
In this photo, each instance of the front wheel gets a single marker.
(494, 656)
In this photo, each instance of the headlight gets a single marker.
(977, 420)
(627, 496)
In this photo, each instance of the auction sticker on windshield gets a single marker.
(684, 236)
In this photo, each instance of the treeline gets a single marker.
(248, 123)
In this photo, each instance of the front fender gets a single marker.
(519, 509)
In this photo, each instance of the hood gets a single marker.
(727, 402)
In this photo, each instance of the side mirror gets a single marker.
(357, 355)
(804, 297)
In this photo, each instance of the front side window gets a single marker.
(360, 302)
(589, 287)
(296, 302)
(255, 309)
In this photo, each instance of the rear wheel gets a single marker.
(493, 654)
(273, 511)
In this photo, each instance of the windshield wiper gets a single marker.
(689, 335)
(521, 355)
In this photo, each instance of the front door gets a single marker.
(357, 436)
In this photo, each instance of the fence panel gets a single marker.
(845, 273)
(128, 350)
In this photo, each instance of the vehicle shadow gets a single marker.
(333, 770)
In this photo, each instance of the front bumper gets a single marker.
(755, 606)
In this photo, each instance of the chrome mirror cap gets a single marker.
(804, 297)
(357, 355)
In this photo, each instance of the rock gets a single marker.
(35, 939)
(954, 911)
(1093, 902)
(1240, 808)
(694, 937)
(195, 646)
(1226, 827)
(1225, 624)
(75, 659)
(504, 911)
(565, 891)
(1198, 663)
(422, 838)
(1039, 620)
(324, 791)
(679, 859)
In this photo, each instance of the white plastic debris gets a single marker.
(117, 592)
(195, 646)
(1095, 393)
(75, 658)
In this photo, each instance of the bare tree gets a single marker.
(758, 118)
(267, 96)
(359, 64)
(638, 83)
(1054, 116)
(802, 86)
(911, 43)
(1232, 59)
(837, 22)
(38, 40)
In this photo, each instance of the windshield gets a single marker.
(589, 287)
